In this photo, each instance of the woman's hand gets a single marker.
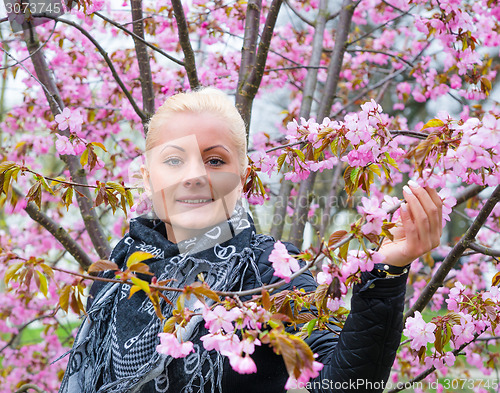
(418, 229)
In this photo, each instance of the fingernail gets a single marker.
(404, 207)
(413, 183)
(407, 190)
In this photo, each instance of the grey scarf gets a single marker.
(115, 348)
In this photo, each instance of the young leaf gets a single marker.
(102, 265)
(11, 271)
(137, 257)
(336, 236)
(42, 283)
(143, 285)
(433, 123)
(99, 144)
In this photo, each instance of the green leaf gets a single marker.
(43, 283)
(310, 326)
(143, 285)
(354, 174)
(45, 185)
(300, 154)
(116, 186)
(281, 160)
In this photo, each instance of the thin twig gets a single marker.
(31, 54)
(299, 15)
(156, 49)
(106, 58)
(47, 91)
(484, 250)
(382, 53)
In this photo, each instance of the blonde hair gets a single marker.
(203, 100)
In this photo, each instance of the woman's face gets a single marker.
(192, 174)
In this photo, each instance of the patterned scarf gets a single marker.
(115, 348)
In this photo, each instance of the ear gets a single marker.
(146, 180)
(244, 177)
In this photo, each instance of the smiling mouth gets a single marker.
(195, 201)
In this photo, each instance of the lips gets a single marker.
(197, 200)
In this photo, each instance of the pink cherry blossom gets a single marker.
(283, 264)
(69, 119)
(220, 318)
(171, 346)
(242, 364)
(420, 332)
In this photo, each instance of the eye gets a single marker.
(173, 161)
(215, 162)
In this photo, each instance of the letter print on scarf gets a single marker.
(115, 348)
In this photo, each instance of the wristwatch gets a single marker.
(389, 271)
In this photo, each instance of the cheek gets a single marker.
(224, 183)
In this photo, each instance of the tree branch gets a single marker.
(469, 192)
(325, 106)
(256, 71)
(14, 336)
(305, 109)
(29, 386)
(135, 36)
(399, 58)
(380, 27)
(484, 250)
(299, 15)
(58, 232)
(413, 134)
(183, 32)
(106, 58)
(457, 251)
(94, 229)
(431, 369)
(148, 97)
(248, 53)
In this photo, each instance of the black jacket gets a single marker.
(359, 359)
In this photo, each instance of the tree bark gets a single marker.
(148, 98)
(59, 233)
(334, 68)
(183, 31)
(253, 63)
(94, 229)
(305, 111)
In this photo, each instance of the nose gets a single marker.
(195, 175)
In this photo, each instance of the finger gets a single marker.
(421, 222)
(432, 211)
(411, 232)
(439, 204)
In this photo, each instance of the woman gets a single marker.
(194, 174)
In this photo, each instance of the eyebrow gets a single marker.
(207, 149)
(213, 147)
(177, 147)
